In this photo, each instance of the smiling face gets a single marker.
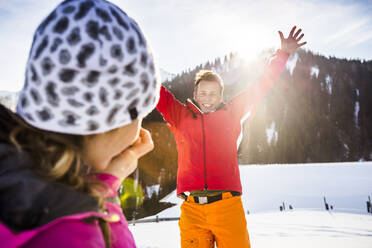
(208, 95)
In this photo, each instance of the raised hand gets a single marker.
(290, 44)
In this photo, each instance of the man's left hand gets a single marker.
(290, 44)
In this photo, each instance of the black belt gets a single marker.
(213, 198)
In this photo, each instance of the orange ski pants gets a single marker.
(223, 222)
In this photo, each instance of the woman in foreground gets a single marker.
(90, 80)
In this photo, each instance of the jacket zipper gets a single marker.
(205, 158)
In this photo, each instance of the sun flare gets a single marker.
(233, 34)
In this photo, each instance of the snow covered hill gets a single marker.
(166, 76)
(9, 99)
(346, 187)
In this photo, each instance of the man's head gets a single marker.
(208, 90)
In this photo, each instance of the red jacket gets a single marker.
(207, 143)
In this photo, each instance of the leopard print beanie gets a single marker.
(90, 70)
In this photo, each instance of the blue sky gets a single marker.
(185, 33)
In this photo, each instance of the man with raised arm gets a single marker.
(206, 131)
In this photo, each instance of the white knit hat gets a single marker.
(90, 70)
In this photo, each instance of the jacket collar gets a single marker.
(193, 106)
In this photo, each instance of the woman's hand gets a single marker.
(290, 44)
(125, 163)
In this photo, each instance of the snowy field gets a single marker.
(346, 187)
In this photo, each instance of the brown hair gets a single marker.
(208, 75)
(58, 157)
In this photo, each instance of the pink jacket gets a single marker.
(71, 231)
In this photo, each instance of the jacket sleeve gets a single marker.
(249, 99)
(82, 232)
(169, 106)
(72, 233)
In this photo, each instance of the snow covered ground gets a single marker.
(346, 187)
(291, 229)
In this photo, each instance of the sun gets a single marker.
(235, 34)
